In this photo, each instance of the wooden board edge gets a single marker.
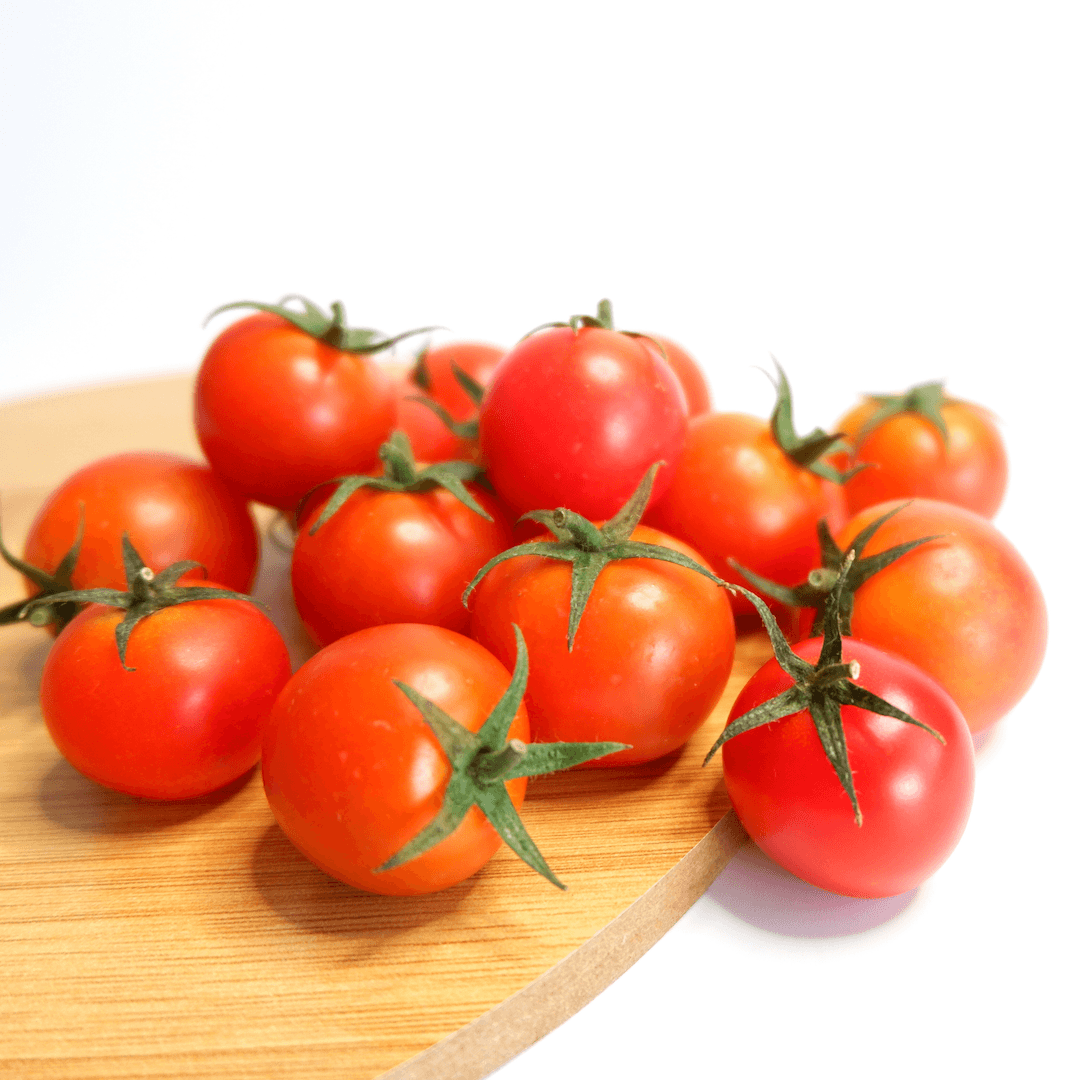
(491, 1040)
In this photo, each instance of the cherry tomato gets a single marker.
(652, 654)
(172, 507)
(436, 376)
(187, 720)
(915, 793)
(910, 458)
(279, 412)
(430, 438)
(574, 418)
(965, 608)
(392, 556)
(689, 375)
(736, 494)
(353, 773)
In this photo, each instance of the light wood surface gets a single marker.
(190, 939)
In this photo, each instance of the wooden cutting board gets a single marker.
(140, 939)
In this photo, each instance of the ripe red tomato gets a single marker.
(173, 508)
(353, 773)
(429, 436)
(436, 375)
(965, 608)
(736, 494)
(915, 793)
(574, 418)
(651, 657)
(689, 375)
(187, 719)
(390, 557)
(279, 412)
(910, 458)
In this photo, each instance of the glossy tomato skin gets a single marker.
(909, 459)
(736, 494)
(431, 440)
(966, 608)
(690, 375)
(576, 419)
(392, 557)
(351, 770)
(476, 359)
(652, 654)
(277, 412)
(188, 719)
(173, 508)
(915, 793)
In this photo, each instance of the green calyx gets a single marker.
(58, 612)
(147, 593)
(821, 688)
(483, 761)
(806, 451)
(925, 400)
(821, 583)
(463, 429)
(330, 329)
(602, 320)
(401, 474)
(589, 548)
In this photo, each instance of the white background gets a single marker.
(878, 194)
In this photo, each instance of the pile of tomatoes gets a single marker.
(582, 494)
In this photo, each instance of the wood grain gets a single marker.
(190, 939)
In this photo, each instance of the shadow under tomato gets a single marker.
(313, 901)
(75, 802)
(755, 889)
(31, 660)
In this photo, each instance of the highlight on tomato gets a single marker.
(632, 638)
(399, 547)
(161, 690)
(396, 759)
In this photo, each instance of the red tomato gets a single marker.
(477, 361)
(689, 375)
(736, 494)
(279, 412)
(575, 418)
(173, 508)
(430, 438)
(914, 792)
(965, 608)
(911, 459)
(652, 654)
(389, 557)
(351, 770)
(187, 720)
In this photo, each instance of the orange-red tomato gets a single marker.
(909, 458)
(652, 654)
(474, 358)
(392, 557)
(351, 770)
(965, 608)
(173, 509)
(689, 374)
(279, 412)
(736, 494)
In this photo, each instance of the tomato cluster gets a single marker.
(453, 664)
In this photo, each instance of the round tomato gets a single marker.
(187, 720)
(574, 418)
(689, 374)
(278, 411)
(914, 791)
(352, 771)
(737, 494)
(910, 457)
(173, 509)
(431, 439)
(390, 557)
(434, 374)
(650, 658)
(965, 607)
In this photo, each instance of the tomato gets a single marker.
(914, 791)
(430, 437)
(352, 771)
(278, 411)
(911, 457)
(187, 720)
(574, 417)
(434, 373)
(688, 372)
(650, 658)
(392, 556)
(965, 608)
(173, 508)
(737, 494)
